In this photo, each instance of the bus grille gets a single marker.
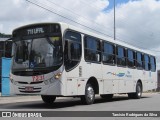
(32, 90)
(30, 83)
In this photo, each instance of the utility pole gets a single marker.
(114, 22)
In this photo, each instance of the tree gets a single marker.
(2, 35)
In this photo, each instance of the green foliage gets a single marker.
(2, 35)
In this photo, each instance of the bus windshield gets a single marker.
(37, 53)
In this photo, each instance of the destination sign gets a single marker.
(37, 30)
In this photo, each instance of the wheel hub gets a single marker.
(90, 93)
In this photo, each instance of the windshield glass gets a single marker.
(37, 53)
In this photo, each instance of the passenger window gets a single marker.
(139, 60)
(121, 56)
(92, 49)
(153, 64)
(108, 53)
(146, 62)
(131, 58)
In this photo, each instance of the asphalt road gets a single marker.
(148, 102)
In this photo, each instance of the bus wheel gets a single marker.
(48, 99)
(138, 93)
(107, 96)
(89, 96)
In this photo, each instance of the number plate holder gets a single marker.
(29, 89)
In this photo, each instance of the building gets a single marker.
(5, 36)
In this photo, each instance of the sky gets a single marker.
(137, 21)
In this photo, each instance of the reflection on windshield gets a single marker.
(22, 51)
(38, 53)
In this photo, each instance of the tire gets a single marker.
(138, 93)
(107, 96)
(89, 96)
(48, 99)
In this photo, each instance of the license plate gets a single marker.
(29, 89)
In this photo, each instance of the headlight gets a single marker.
(57, 75)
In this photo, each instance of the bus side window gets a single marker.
(152, 63)
(131, 58)
(146, 62)
(108, 53)
(139, 60)
(121, 56)
(92, 49)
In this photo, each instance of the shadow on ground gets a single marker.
(61, 103)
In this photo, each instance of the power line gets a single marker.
(67, 18)
(71, 11)
(74, 13)
(92, 22)
(83, 25)
(126, 22)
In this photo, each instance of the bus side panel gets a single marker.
(126, 80)
(93, 70)
(147, 80)
(151, 80)
(139, 75)
(110, 79)
(75, 83)
(71, 81)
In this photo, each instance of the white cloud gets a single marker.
(21, 12)
(136, 22)
(140, 23)
(1, 27)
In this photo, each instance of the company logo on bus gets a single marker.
(35, 31)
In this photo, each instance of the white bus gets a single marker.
(60, 60)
